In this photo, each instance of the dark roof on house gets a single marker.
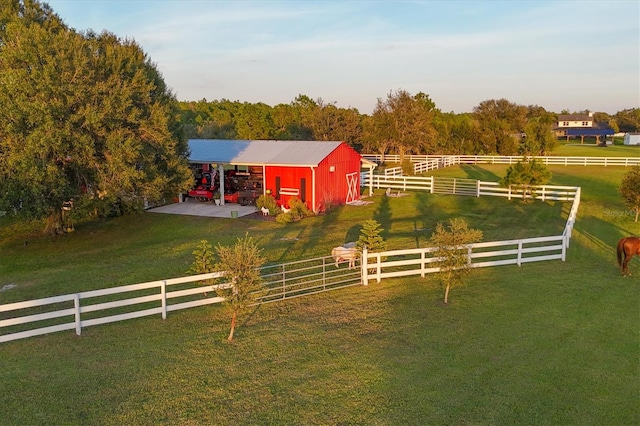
(575, 117)
(260, 152)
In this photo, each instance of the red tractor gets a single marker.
(206, 184)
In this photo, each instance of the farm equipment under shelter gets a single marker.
(205, 185)
(239, 187)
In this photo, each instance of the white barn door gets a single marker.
(352, 187)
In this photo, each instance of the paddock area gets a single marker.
(192, 207)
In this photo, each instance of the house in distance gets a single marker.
(581, 125)
(319, 173)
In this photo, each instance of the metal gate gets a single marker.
(454, 186)
(305, 277)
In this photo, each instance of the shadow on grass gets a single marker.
(474, 171)
(383, 216)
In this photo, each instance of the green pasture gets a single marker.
(575, 149)
(546, 343)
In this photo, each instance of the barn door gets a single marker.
(352, 187)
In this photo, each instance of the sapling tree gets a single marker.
(452, 252)
(203, 261)
(525, 174)
(240, 265)
(630, 190)
(370, 237)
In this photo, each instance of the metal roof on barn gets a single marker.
(260, 152)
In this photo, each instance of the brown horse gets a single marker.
(627, 248)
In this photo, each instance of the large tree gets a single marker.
(406, 123)
(538, 137)
(630, 190)
(84, 116)
(458, 134)
(628, 120)
(501, 126)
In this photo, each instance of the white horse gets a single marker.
(341, 254)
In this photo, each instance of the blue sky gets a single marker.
(575, 55)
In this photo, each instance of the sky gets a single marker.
(562, 55)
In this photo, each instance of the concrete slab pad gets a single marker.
(209, 209)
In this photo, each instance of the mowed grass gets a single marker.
(589, 149)
(545, 343)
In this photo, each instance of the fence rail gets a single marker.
(470, 187)
(402, 263)
(85, 309)
(428, 161)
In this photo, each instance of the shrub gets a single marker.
(407, 167)
(298, 209)
(269, 202)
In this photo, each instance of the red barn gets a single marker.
(318, 173)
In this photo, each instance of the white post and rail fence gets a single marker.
(282, 281)
(432, 162)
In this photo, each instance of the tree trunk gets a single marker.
(54, 223)
(233, 326)
(446, 294)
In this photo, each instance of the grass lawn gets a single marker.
(546, 343)
(575, 149)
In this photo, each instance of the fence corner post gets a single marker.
(76, 307)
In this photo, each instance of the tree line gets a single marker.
(401, 123)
